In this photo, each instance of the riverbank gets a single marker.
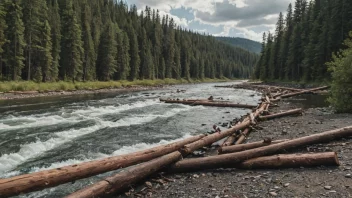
(18, 90)
(294, 182)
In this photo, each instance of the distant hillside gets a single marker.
(247, 44)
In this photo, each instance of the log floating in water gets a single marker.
(286, 113)
(303, 92)
(49, 178)
(126, 178)
(248, 146)
(210, 103)
(279, 161)
(232, 158)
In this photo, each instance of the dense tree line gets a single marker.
(305, 40)
(50, 40)
(252, 46)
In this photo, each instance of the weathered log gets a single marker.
(303, 92)
(125, 179)
(248, 146)
(230, 140)
(278, 115)
(49, 178)
(189, 148)
(243, 136)
(279, 161)
(211, 103)
(232, 158)
(292, 161)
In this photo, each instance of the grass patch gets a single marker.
(8, 86)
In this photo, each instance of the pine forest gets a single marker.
(89, 40)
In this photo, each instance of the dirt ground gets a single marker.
(294, 182)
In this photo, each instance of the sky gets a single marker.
(234, 18)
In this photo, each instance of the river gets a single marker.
(43, 133)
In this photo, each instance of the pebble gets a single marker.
(196, 176)
(327, 187)
(287, 184)
(332, 191)
(148, 184)
(274, 194)
(348, 176)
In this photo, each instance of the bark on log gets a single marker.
(123, 180)
(286, 113)
(279, 161)
(303, 92)
(230, 140)
(211, 103)
(49, 178)
(292, 161)
(232, 158)
(248, 146)
(243, 136)
(189, 148)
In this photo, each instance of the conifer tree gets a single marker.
(72, 50)
(14, 48)
(134, 54)
(89, 70)
(3, 27)
(123, 57)
(286, 42)
(55, 22)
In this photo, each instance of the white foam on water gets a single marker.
(35, 149)
(73, 117)
(123, 150)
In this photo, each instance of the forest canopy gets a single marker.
(87, 40)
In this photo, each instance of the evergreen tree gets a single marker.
(285, 45)
(89, 70)
(72, 50)
(14, 48)
(3, 27)
(134, 54)
(55, 23)
(274, 59)
(123, 57)
(107, 63)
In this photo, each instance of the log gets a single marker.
(278, 115)
(248, 146)
(211, 103)
(280, 161)
(190, 148)
(125, 179)
(303, 92)
(243, 136)
(50, 178)
(292, 161)
(230, 140)
(232, 158)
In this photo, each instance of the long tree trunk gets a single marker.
(232, 158)
(125, 179)
(212, 104)
(49, 178)
(243, 147)
(278, 115)
(303, 92)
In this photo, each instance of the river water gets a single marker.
(45, 133)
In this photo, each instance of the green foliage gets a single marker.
(341, 87)
(302, 46)
(243, 43)
(67, 40)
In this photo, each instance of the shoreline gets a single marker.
(14, 95)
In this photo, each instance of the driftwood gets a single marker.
(292, 161)
(126, 178)
(49, 178)
(211, 103)
(233, 158)
(243, 136)
(304, 92)
(248, 146)
(286, 113)
(230, 140)
(279, 161)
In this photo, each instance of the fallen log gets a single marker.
(230, 140)
(50, 178)
(280, 161)
(211, 103)
(248, 146)
(303, 92)
(125, 179)
(190, 148)
(286, 113)
(292, 161)
(233, 158)
(243, 136)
